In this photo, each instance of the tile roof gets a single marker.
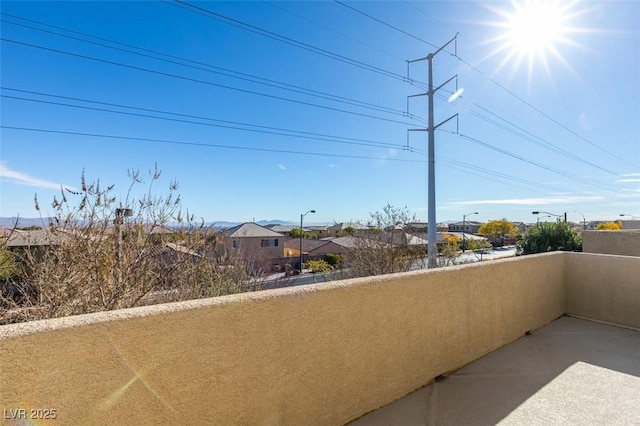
(282, 228)
(307, 245)
(42, 237)
(344, 225)
(248, 230)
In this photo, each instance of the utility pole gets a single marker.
(464, 220)
(302, 215)
(431, 220)
(121, 213)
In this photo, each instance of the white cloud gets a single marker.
(26, 180)
(333, 166)
(281, 167)
(630, 175)
(628, 180)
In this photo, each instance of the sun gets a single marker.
(535, 27)
(533, 32)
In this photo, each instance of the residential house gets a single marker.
(35, 242)
(469, 226)
(292, 246)
(317, 249)
(255, 242)
(39, 238)
(285, 230)
(521, 226)
(404, 239)
(343, 228)
(339, 245)
(319, 231)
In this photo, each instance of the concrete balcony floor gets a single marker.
(570, 372)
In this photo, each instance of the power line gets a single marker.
(272, 131)
(464, 170)
(531, 137)
(201, 144)
(370, 46)
(468, 166)
(209, 68)
(534, 163)
(545, 115)
(195, 80)
(430, 16)
(283, 39)
(386, 24)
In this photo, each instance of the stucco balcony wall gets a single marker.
(604, 288)
(624, 242)
(322, 354)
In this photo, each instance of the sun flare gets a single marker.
(535, 27)
(533, 31)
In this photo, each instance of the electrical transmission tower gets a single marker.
(431, 220)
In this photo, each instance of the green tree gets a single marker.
(449, 250)
(9, 267)
(349, 230)
(549, 237)
(498, 228)
(478, 245)
(295, 233)
(333, 259)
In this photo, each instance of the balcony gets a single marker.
(537, 339)
(571, 371)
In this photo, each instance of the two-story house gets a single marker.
(255, 243)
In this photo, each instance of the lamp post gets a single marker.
(632, 216)
(543, 217)
(464, 220)
(556, 215)
(301, 217)
(584, 221)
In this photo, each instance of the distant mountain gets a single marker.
(226, 224)
(275, 222)
(24, 222)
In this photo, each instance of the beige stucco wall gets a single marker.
(622, 242)
(321, 354)
(604, 287)
(251, 248)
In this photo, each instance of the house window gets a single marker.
(235, 244)
(269, 242)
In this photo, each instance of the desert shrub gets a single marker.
(318, 266)
(383, 249)
(333, 259)
(546, 237)
(112, 254)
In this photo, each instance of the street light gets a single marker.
(556, 215)
(464, 220)
(632, 216)
(541, 217)
(584, 221)
(301, 217)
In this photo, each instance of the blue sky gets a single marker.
(268, 109)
